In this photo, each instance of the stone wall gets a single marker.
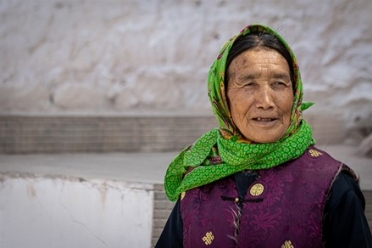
(20, 134)
(63, 134)
(64, 56)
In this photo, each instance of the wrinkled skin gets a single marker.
(260, 94)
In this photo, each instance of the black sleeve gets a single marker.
(345, 223)
(172, 235)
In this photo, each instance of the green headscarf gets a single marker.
(223, 152)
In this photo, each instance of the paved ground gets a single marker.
(140, 167)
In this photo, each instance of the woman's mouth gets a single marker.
(264, 119)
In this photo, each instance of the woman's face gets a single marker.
(260, 94)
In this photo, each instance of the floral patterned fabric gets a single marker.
(222, 152)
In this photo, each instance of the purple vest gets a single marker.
(283, 207)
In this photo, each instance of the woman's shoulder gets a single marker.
(345, 183)
(324, 160)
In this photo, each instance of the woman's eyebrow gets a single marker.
(280, 75)
(250, 76)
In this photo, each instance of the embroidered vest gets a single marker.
(282, 208)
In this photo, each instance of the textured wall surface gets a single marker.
(58, 212)
(131, 56)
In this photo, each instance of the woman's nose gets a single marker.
(264, 98)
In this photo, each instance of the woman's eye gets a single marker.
(279, 84)
(249, 84)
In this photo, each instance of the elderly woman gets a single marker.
(258, 180)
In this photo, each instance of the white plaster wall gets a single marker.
(65, 212)
(120, 56)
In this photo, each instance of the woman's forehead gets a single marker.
(257, 60)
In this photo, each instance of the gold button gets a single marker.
(257, 189)
(236, 199)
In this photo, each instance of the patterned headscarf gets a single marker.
(222, 152)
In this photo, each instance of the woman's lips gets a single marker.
(264, 119)
(266, 123)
